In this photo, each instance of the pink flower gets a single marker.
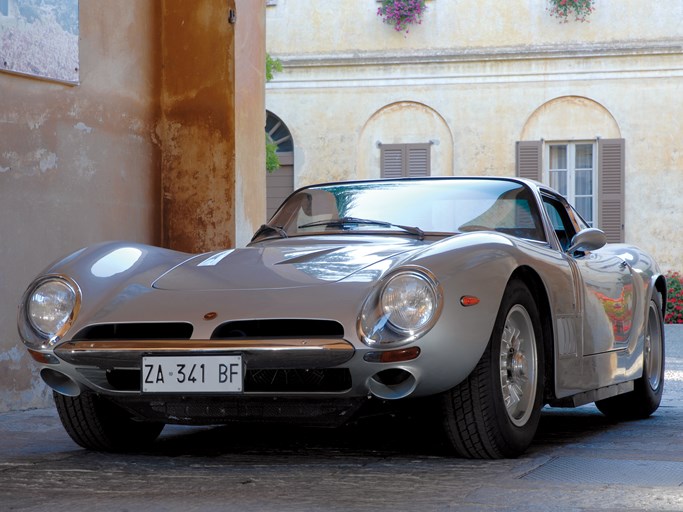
(402, 13)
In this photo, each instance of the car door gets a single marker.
(604, 284)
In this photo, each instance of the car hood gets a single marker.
(286, 265)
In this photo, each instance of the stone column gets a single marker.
(212, 122)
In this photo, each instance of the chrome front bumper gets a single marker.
(262, 353)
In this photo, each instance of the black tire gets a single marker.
(95, 423)
(477, 421)
(647, 390)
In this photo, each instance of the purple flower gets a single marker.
(402, 13)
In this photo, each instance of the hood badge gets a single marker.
(211, 315)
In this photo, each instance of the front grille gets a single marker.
(285, 328)
(208, 410)
(136, 331)
(327, 380)
(312, 381)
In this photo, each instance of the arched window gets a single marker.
(574, 144)
(280, 182)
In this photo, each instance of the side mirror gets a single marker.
(587, 240)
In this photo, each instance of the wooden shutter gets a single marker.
(418, 160)
(528, 159)
(611, 188)
(405, 160)
(392, 158)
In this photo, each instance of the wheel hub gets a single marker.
(518, 365)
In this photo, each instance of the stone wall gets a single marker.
(155, 111)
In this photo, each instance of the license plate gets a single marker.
(192, 374)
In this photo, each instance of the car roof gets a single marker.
(526, 181)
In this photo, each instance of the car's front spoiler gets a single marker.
(258, 353)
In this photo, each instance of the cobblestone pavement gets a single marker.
(579, 461)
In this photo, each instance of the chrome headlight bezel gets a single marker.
(378, 324)
(41, 335)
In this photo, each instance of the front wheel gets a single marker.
(647, 390)
(495, 412)
(97, 424)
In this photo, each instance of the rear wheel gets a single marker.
(647, 390)
(97, 424)
(495, 412)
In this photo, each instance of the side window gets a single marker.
(560, 220)
(577, 220)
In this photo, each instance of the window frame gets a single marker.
(572, 222)
(571, 170)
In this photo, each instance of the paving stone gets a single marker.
(579, 461)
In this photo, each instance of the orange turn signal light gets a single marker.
(42, 357)
(469, 300)
(393, 356)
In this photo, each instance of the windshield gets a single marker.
(435, 206)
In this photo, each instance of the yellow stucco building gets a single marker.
(491, 88)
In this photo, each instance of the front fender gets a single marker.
(478, 265)
(102, 272)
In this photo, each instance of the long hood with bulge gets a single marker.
(281, 265)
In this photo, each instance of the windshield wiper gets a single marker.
(266, 227)
(346, 221)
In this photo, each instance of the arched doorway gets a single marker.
(280, 182)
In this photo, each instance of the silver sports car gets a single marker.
(486, 298)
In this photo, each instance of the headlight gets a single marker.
(409, 301)
(403, 308)
(51, 305)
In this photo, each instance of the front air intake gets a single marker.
(136, 331)
(286, 328)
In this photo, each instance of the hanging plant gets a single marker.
(402, 13)
(563, 9)
(272, 160)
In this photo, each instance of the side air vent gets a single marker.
(279, 329)
(136, 331)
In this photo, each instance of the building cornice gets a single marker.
(468, 55)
